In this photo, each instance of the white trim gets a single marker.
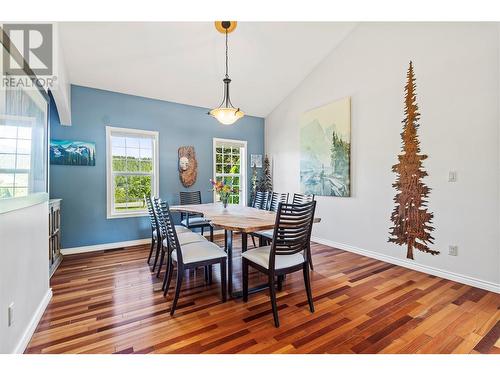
(110, 213)
(28, 333)
(472, 281)
(243, 165)
(104, 246)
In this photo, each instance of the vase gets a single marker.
(224, 202)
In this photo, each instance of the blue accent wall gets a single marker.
(83, 189)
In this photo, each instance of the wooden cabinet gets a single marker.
(55, 256)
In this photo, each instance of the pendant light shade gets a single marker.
(226, 116)
(226, 113)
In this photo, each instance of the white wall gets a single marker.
(457, 72)
(24, 273)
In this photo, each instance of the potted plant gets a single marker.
(223, 190)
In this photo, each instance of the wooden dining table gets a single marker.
(233, 219)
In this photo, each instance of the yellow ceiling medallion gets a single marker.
(222, 26)
(226, 113)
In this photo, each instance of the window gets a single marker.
(230, 167)
(132, 170)
(23, 143)
(15, 160)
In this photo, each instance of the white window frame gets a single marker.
(111, 213)
(243, 166)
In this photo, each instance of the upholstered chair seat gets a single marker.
(260, 256)
(266, 233)
(199, 251)
(186, 238)
(197, 220)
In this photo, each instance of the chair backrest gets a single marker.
(302, 198)
(167, 227)
(260, 200)
(190, 197)
(151, 212)
(292, 231)
(276, 199)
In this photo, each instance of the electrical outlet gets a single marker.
(452, 176)
(11, 314)
(453, 250)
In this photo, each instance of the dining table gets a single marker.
(233, 219)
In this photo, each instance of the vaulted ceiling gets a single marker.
(183, 62)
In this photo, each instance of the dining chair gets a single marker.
(275, 198)
(260, 200)
(157, 236)
(188, 256)
(265, 236)
(154, 225)
(302, 198)
(287, 253)
(194, 221)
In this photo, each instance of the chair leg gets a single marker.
(168, 278)
(223, 278)
(307, 282)
(280, 282)
(261, 241)
(205, 272)
(244, 266)
(202, 231)
(211, 233)
(158, 246)
(178, 285)
(310, 257)
(209, 269)
(272, 293)
(253, 240)
(167, 266)
(151, 250)
(162, 258)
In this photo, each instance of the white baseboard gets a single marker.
(104, 246)
(28, 333)
(472, 281)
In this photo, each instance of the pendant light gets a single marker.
(226, 113)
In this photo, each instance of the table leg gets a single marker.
(228, 236)
(244, 247)
(244, 243)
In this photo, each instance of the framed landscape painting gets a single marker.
(72, 153)
(325, 149)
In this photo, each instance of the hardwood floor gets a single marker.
(109, 302)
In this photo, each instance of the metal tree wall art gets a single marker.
(268, 178)
(254, 182)
(265, 182)
(411, 218)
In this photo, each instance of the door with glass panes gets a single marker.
(229, 167)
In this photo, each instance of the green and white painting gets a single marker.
(325, 149)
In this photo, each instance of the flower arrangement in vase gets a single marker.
(224, 190)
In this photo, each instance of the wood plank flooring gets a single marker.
(109, 302)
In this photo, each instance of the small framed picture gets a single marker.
(256, 160)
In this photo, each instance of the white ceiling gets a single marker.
(183, 62)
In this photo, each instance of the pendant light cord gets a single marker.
(227, 76)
